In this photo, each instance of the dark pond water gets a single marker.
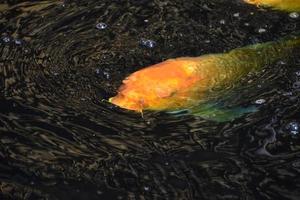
(60, 140)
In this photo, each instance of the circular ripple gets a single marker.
(60, 139)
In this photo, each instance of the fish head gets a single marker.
(168, 85)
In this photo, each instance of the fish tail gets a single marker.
(292, 40)
(241, 61)
(286, 46)
(284, 5)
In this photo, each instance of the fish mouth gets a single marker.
(126, 103)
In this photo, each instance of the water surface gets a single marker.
(61, 139)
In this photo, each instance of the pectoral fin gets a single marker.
(220, 113)
(216, 112)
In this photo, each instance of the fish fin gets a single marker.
(218, 113)
(142, 113)
(179, 113)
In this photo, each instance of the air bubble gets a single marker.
(148, 43)
(222, 21)
(262, 30)
(293, 127)
(260, 101)
(6, 39)
(102, 73)
(101, 26)
(236, 14)
(287, 94)
(146, 188)
(282, 62)
(294, 15)
(296, 85)
(106, 74)
(97, 71)
(18, 41)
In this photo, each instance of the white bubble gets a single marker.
(6, 39)
(260, 101)
(18, 41)
(294, 15)
(106, 74)
(148, 43)
(262, 30)
(222, 21)
(287, 94)
(293, 127)
(282, 62)
(101, 26)
(296, 85)
(236, 14)
(97, 71)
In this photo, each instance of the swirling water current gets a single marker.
(61, 139)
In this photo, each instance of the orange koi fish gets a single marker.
(185, 82)
(286, 5)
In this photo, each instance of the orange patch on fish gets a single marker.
(160, 81)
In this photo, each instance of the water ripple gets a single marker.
(61, 139)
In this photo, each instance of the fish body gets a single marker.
(184, 82)
(285, 5)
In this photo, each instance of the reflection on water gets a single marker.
(60, 140)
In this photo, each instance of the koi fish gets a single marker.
(286, 5)
(186, 82)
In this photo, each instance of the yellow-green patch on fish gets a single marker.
(285, 5)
